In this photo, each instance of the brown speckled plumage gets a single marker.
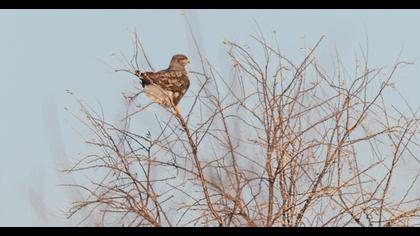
(168, 86)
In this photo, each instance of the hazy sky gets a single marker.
(45, 52)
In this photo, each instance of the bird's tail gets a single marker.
(138, 73)
(142, 77)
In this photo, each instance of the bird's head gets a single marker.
(179, 62)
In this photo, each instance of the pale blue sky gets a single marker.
(45, 52)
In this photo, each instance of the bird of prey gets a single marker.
(166, 87)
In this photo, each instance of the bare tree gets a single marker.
(278, 143)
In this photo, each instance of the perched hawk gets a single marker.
(166, 87)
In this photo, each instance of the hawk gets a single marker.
(167, 87)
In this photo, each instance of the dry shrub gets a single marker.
(276, 143)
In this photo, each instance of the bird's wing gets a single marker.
(175, 81)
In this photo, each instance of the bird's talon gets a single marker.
(177, 111)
